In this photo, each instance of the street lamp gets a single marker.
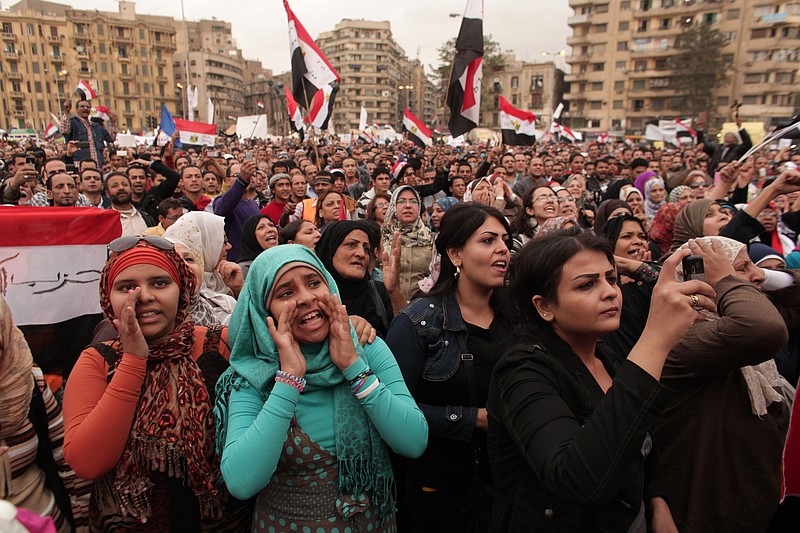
(407, 89)
(183, 102)
(61, 76)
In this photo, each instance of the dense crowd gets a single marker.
(384, 337)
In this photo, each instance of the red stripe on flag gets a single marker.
(303, 35)
(469, 84)
(57, 226)
(513, 111)
(417, 122)
(195, 127)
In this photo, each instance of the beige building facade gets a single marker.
(48, 48)
(620, 79)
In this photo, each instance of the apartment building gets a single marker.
(376, 74)
(620, 79)
(49, 47)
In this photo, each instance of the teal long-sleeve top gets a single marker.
(257, 429)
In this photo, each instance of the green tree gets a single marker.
(493, 61)
(698, 67)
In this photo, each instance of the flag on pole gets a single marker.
(167, 124)
(84, 88)
(295, 116)
(362, 119)
(518, 127)
(321, 107)
(464, 89)
(557, 112)
(196, 132)
(260, 104)
(570, 135)
(212, 117)
(417, 130)
(311, 70)
(50, 131)
(682, 130)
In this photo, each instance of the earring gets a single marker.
(458, 273)
(544, 315)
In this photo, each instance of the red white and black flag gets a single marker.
(311, 70)
(295, 116)
(322, 106)
(464, 89)
(518, 126)
(417, 130)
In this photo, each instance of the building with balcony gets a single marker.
(375, 73)
(620, 79)
(122, 55)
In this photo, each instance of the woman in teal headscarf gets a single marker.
(318, 460)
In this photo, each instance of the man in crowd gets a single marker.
(93, 134)
(381, 181)
(62, 190)
(169, 211)
(239, 203)
(91, 185)
(118, 189)
(281, 186)
(193, 198)
(535, 177)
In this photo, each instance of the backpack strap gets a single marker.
(44, 456)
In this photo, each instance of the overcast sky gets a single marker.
(528, 27)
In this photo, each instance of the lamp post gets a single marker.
(407, 90)
(183, 102)
(61, 77)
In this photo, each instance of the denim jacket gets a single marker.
(424, 339)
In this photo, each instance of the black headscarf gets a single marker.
(250, 248)
(356, 295)
(605, 209)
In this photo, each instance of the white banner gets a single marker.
(50, 284)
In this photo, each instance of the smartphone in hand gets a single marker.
(693, 268)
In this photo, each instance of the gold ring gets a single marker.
(695, 300)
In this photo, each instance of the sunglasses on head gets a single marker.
(122, 244)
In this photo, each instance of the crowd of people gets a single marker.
(356, 337)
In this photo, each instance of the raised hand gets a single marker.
(291, 358)
(342, 350)
(130, 334)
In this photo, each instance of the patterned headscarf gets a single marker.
(413, 235)
(662, 229)
(675, 193)
(183, 447)
(16, 379)
(363, 459)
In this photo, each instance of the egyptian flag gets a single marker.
(198, 133)
(518, 127)
(417, 130)
(464, 89)
(85, 90)
(50, 131)
(682, 130)
(322, 106)
(295, 116)
(568, 134)
(604, 138)
(50, 263)
(311, 70)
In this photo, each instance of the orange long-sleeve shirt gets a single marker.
(98, 415)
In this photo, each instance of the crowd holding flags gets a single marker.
(464, 89)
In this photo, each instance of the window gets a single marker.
(657, 104)
(622, 46)
(645, 5)
(624, 25)
(33, 49)
(39, 105)
(659, 83)
(753, 78)
(732, 14)
(625, 5)
(619, 86)
(537, 83)
(597, 86)
(141, 33)
(598, 67)
(104, 67)
(643, 25)
(601, 8)
(638, 105)
(37, 86)
(514, 99)
(101, 48)
(536, 101)
(595, 104)
(667, 3)
(758, 33)
(638, 85)
(105, 87)
(750, 99)
(35, 67)
(600, 28)
(514, 82)
(722, 101)
(784, 77)
(662, 64)
(617, 104)
(640, 66)
(710, 18)
(619, 66)
(125, 88)
(31, 30)
(664, 24)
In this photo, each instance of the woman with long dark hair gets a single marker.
(446, 345)
(538, 205)
(569, 422)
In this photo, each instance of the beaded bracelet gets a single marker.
(290, 379)
(364, 375)
(366, 392)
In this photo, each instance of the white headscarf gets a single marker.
(763, 380)
(203, 234)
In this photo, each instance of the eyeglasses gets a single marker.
(122, 244)
(545, 199)
(174, 218)
(404, 201)
(381, 205)
(698, 186)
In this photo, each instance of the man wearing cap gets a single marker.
(307, 209)
(281, 186)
